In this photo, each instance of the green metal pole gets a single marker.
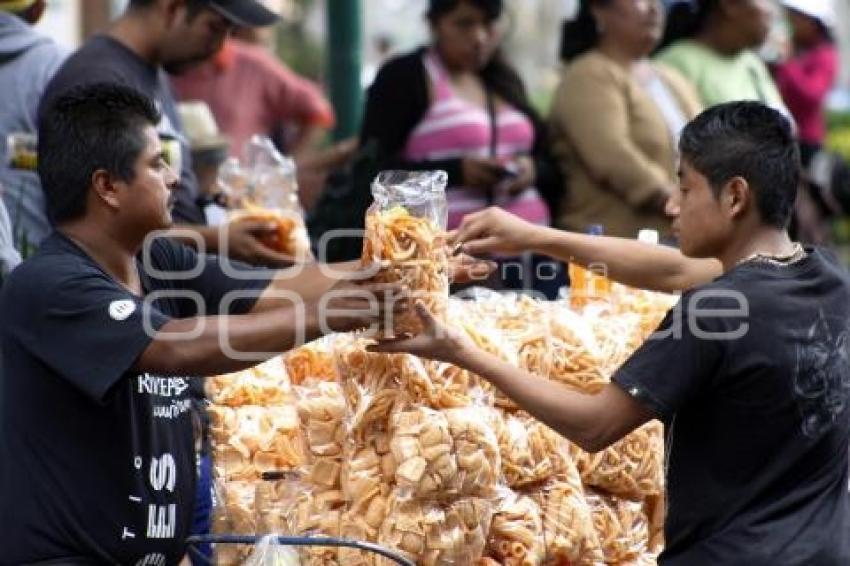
(345, 53)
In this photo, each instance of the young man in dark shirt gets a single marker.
(101, 329)
(750, 372)
(150, 38)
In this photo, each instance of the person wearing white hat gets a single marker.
(809, 73)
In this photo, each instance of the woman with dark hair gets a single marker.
(711, 43)
(457, 105)
(806, 77)
(616, 118)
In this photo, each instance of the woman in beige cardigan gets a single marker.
(616, 118)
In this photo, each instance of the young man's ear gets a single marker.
(736, 197)
(105, 189)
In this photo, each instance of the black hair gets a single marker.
(498, 76)
(685, 19)
(90, 127)
(752, 141)
(438, 8)
(580, 34)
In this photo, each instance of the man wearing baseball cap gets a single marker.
(153, 36)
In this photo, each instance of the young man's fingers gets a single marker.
(271, 258)
(471, 228)
(482, 246)
(425, 315)
(391, 346)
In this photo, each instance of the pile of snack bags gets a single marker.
(428, 459)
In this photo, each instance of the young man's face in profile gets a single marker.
(698, 222)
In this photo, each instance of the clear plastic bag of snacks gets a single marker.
(476, 449)
(519, 323)
(577, 360)
(323, 411)
(435, 534)
(405, 229)
(516, 532)
(373, 383)
(621, 527)
(632, 467)
(264, 188)
(275, 500)
(313, 361)
(531, 452)
(568, 531)
(251, 440)
(423, 448)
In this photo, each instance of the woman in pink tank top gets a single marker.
(458, 106)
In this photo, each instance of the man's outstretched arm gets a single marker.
(634, 263)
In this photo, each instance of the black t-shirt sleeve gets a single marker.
(225, 286)
(90, 331)
(679, 360)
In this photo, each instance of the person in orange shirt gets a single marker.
(271, 97)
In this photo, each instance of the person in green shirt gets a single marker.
(711, 43)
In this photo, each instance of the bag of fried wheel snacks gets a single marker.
(621, 527)
(568, 533)
(531, 451)
(632, 467)
(516, 531)
(264, 188)
(405, 229)
(521, 325)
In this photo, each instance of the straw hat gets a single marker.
(200, 127)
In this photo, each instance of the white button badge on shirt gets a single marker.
(121, 310)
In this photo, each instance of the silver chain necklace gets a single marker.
(797, 253)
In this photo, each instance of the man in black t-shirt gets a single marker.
(150, 38)
(99, 334)
(750, 372)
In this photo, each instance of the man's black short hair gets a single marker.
(752, 141)
(91, 127)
